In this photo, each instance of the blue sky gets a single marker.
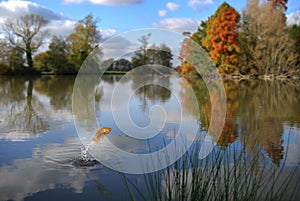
(118, 16)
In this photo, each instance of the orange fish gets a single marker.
(100, 133)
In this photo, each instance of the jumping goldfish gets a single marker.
(100, 133)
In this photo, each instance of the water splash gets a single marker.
(86, 159)
(85, 156)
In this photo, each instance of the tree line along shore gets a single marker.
(256, 43)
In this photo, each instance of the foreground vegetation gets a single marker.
(233, 174)
(249, 160)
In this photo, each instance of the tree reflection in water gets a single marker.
(257, 112)
(244, 166)
(24, 101)
(251, 161)
(24, 118)
(156, 90)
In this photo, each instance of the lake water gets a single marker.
(41, 152)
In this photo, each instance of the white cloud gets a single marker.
(2, 36)
(61, 27)
(196, 3)
(58, 23)
(173, 6)
(13, 9)
(107, 33)
(107, 2)
(293, 18)
(118, 46)
(162, 13)
(178, 24)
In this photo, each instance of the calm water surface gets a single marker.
(40, 151)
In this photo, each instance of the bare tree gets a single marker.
(265, 43)
(26, 34)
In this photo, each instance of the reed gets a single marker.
(236, 173)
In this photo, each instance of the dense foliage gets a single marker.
(260, 44)
(256, 42)
(155, 54)
(83, 40)
(221, 38)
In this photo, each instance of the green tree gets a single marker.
(200, 34)
(165, 55)
(15, 59)
(160, 54)
(155, 54)
(11, 58)
(57, 56)
(192, 54)
(26, 34)
(3, 55)
(83, 40)
(185, 50)
(140, 56)
(120, 65)
(41, 61)
(294, 32)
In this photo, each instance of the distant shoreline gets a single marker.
(51, 73)
(233, 76)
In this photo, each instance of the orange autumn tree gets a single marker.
(221, 38)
